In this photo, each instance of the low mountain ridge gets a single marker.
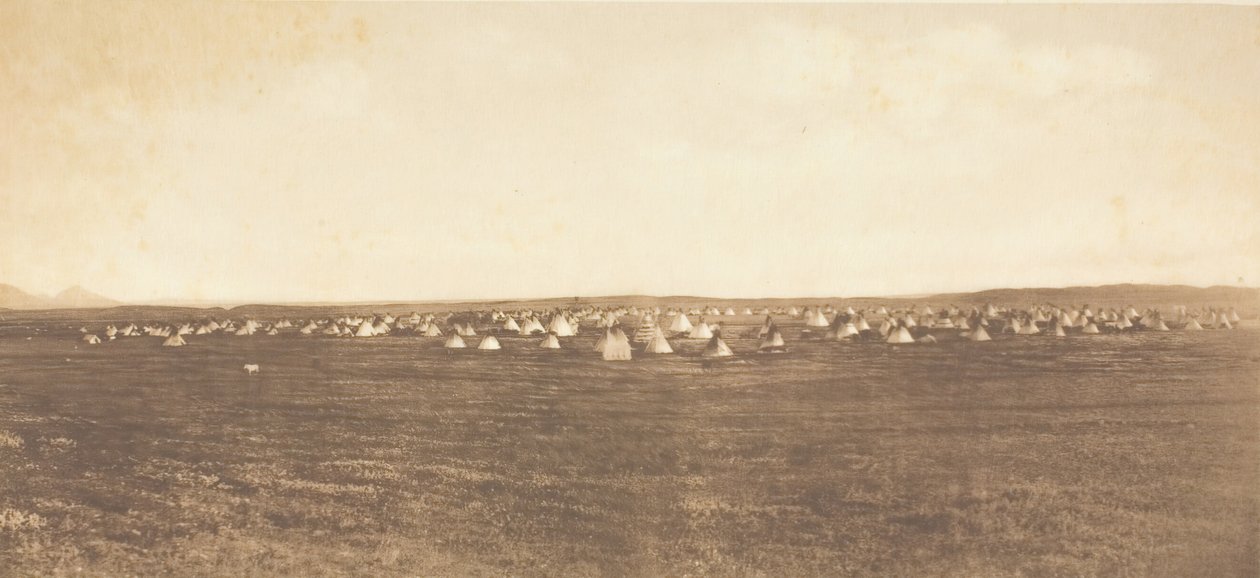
(1125, 293)
(1107, 295)
(75, 297)
(79, 298)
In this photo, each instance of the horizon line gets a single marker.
(233, 304)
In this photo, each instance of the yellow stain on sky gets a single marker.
(363, 151)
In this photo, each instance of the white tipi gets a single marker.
(657, 343)
(549, 342)
(616, 346)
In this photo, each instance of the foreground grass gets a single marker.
(1110, 455)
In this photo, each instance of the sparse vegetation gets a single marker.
(10, 441)
(1106, 456)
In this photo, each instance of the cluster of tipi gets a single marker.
(895, 327)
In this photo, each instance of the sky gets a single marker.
(157, 151)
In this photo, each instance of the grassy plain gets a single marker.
(1109, 455)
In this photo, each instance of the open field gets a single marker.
(1113, 455)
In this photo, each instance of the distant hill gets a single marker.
(79, 298)
(1122, 294)
(1245, 298)
(73, 298)
(13, 298)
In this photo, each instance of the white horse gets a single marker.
(251, 368)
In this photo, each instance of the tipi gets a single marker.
(657, 343)
(979, 334)
(716, 348)
(701, 331)
(616, 344)
(681, 324)
(549, 342)
(772, 342)
(899, 334)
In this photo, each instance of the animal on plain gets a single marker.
(251, 368)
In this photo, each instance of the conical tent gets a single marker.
(560, 326)
(616, 344)
(489, 343)
(899, 334)
(816, 318)
(454, 342)
(647, 328)
(174, 341)
(979, 334)
(510, 325)
(657, 343)
(365, 330)
(701, 331)
(716, 348)
(1029, 328)
(530, 326)
(681, 324)
(1090, 329)
(848, 331)
(772, 342)
(1193, 325)
(549, 342)
(91, 339)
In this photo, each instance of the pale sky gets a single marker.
(296, 152)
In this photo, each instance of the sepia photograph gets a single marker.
(579, 289)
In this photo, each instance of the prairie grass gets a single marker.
(1114, 455)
